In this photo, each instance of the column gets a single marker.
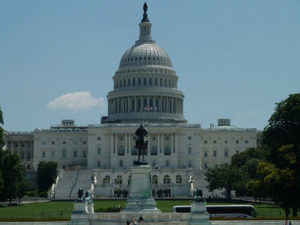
(149, 144)
(126, 136)
(148, 103)
(172, 143)
(129, 104)
(111, 143)
(135, 104)
(160, 104)
(176, 143)
(167, 108)
(129, 144)
(158, 143)
(141, 105)
(116, 143)
(154, 104)
(162, 143)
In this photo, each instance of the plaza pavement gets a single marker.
(253, 222)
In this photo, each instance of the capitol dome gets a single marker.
(145, 84)
(145, 54)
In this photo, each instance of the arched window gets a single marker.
(178, 179)
(153, 150)
(154, 179)
(121, 150)
(167, 180)
(106, 180)
(119, 180)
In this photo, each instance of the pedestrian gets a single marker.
(128, 222)
(141, 220)
(290, 222)
(133, 220)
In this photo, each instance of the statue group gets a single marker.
(141, 144)
(87, 199)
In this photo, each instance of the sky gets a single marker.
(235, 59)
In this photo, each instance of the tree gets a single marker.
(223, 176)
(22, 188)
(1, 183)
(240, 159)
(47, 172)
(284, 126)
(281, 136)
(13, 173)
(2, 143)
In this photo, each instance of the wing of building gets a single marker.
(144, 90)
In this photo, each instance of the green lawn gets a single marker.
(50, 211)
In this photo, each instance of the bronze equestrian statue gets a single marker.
(141, 144)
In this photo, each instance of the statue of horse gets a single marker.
(140, 143)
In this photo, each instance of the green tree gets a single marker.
(279, 184)
(284, 126)
(47, 172)
(281, 136)
(1, 132)
(13, 173)
(223, 176)
(1, 149)
(22, 188)
(213, 177)
(1, 183)
(240, 159)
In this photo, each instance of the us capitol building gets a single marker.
(145, 89)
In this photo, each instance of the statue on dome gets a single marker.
(145, 15)
(141, 144)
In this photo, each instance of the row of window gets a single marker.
(131, 82)
(226, 142)
(167, 164)
(119, 180)
(21, 145)
(63, 154)
(166, 138)
(153, 151)
(226, 154)
(64, 142)
(144, 60)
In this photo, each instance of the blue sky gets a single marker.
(235, 59)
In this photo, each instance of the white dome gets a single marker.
(145, 54)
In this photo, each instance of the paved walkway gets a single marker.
(253, 222)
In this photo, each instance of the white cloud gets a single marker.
(76, 101)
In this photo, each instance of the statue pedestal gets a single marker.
(140, 192)
(81, 211)
(199, 215)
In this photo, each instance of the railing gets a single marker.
(51, 192)
(74, 184)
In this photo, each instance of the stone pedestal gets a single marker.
(81, 212)
(140, 198)
(199, 215)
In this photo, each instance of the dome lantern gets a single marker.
(145, 28)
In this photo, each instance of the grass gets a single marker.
(61, 211)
